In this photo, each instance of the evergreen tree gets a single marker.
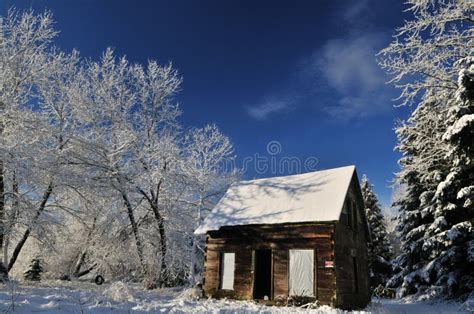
(436, 211)
(449, 241)
(34, 273)
(379, 249)
(422, 168)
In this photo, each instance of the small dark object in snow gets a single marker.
(34, 273)
(65, 278)
(301, 301)
(99, 280)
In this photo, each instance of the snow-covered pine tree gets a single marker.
(449, 240)
(380, 250)
(422, 168)
(35, 270)
(423, 61)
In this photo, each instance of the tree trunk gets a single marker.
(3, 269)
(2, 206)
(163, 246)
(163, 249)
(131, 217)
(80, 262)
(40, 209)
(153, 202)
(2, 191)
(192, 267)
(85, 272)
(133, 222)
(12, 218)
(82, 257)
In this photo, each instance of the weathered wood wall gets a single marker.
(349, 243)
(243, 240)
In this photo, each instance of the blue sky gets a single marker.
(302, 73)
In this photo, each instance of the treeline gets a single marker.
(96, 172)
(432, 60)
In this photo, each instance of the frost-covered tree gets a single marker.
(104, 102)
(132, 144)
(425, 49)
(25, 40)
(156, 152)
(209, 170)
(379, 249)
(423, 60)
(95, 170)
(40, 144)
(36, 128)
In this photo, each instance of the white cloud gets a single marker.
(342, 76)
(348, 66)
(355, 10)
(263, 110)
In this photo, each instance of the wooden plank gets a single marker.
(271, 231)
(280, 272)
(232, 245)
(280, 239)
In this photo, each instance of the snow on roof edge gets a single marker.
(338, 202)
(296, 175)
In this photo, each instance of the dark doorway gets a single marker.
(262, 277)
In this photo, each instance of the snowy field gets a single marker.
(84, 297)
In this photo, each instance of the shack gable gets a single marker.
(310, 197)
(351, 237)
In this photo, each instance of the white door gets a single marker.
(227, 271)
(301, 273)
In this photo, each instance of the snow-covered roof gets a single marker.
(309, 197)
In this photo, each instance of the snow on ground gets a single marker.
(59, 297)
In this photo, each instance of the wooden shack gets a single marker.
(299, 235)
